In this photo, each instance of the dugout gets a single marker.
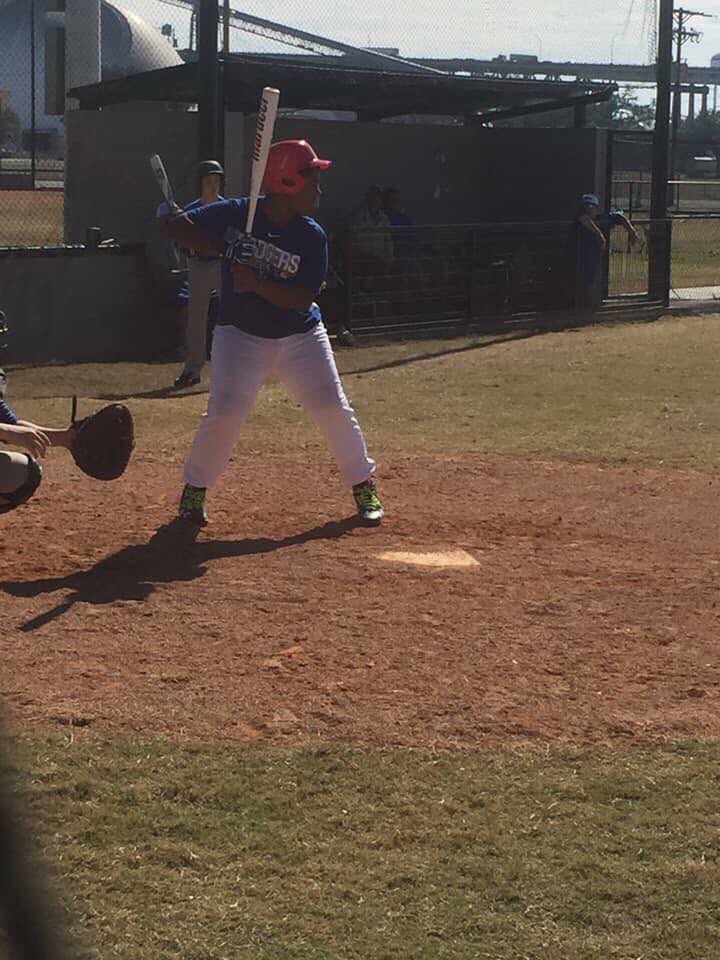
(434, 134)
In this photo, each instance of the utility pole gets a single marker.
(683, 34)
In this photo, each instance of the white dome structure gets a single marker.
(715, 62)
(129, 45)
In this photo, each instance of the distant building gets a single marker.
(129, 45)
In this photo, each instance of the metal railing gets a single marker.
(700, 197)
(628, 262)
(444, 276)
(474, 276)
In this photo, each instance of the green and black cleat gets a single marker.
(192, 505)
(369, 505)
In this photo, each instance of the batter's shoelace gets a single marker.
(193, 498)
(366, 497)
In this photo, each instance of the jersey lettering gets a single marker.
(267, 259)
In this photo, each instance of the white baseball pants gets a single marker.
(203, 278)
(241, 364)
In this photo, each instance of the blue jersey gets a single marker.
(7, 414)
(589, 248)
(295, 254)
(400, 220)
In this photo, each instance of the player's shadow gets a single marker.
(449, 351)
(172, 555)
(158, 393)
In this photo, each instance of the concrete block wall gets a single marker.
(446, 174)
(77, 307)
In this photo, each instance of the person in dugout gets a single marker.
(591, 234)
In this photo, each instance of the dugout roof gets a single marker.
(372, 94)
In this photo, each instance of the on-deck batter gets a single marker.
(270, 325)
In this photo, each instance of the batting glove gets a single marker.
(239, 249)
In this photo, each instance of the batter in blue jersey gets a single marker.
(294, 254)
(270, 325)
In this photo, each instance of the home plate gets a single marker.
(441, 558)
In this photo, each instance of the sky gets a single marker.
(592, 30)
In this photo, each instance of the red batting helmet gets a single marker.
(287, 161)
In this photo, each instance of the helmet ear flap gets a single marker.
(294, 184)
(288, 161)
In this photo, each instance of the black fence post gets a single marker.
(660, 259)
(659, 251)
(349, 267)
(630, 214)
(667, 273)
(471, 277)
(208, 74)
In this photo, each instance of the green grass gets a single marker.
(207, 853)
(645, 393)
(696, 253)
(31, 218)
(332, 854)
(695, 258)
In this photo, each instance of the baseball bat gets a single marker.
(158, 169)
(263, 138)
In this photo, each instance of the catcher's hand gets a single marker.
(29, 438)
(101, 444)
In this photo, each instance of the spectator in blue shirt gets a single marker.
(592, 230)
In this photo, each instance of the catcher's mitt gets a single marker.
(103, 442)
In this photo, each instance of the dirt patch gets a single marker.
(590, 616)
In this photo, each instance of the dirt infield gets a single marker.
(584, 611)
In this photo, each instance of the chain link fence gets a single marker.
(524, 42)
(628, 262)
(36, 70)
(462, 277)
(696, 258)
(31, 160)
(694, 266)
(37, 66)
